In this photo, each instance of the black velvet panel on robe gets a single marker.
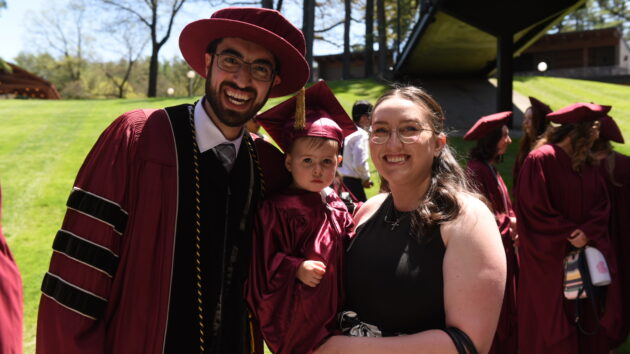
(225, 251)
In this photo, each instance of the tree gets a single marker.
(64, 32)
(120, 73)
(382, 37)
(619, 11)
(308, 28)
(156, 15)
(369, 38)
(346, 40)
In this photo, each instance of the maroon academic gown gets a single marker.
(489, 182)
(294, 226)
(553, 201)
(620, 238)
(108, 286)
(10, 298)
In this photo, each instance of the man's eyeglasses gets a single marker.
(260, 71)
(407, 133)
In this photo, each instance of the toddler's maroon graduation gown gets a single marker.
(490, 183)
(291, 227)
(620, 238)
(553, 201)
(10, 298)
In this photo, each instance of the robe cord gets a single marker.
(197, 218)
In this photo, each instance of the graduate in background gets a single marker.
(492, 136)
(561, 203)
(534, 126)
(11, 303)
(295, 284)
(616, 169)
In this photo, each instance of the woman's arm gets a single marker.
(474, 281)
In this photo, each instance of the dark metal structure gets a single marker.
(464, 38)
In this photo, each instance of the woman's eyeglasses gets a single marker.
(407, 133)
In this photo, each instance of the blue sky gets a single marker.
(13, 38)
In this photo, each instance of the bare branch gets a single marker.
(329, 28)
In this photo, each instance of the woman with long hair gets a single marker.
(426, 270)
(616, 169)
(534, 126)
(561, 204)
(492, 135)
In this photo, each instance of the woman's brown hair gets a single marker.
(582, 136)
(448, 179)
(539, 124)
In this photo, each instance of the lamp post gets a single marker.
(191, 77)
(170, 91)
(542, 67)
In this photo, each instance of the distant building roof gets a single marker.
(22, 84)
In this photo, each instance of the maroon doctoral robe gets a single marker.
(294, 226)
(619, 193)
(489, 182)
(108, 288)
(553, 201)
(10, 298)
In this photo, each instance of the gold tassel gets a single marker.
(300, 110)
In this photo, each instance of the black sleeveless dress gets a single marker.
(393, 278)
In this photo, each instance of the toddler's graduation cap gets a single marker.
(609, 130)
(312, 112)
(486, 124)
(578, 112)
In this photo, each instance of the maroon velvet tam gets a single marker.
(325, 118)
(609, 130)
(486, 124)
(578, 112)
(265, 27)
(539, 109)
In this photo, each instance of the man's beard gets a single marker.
(226, 116)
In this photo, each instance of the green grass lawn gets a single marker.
(43, 144)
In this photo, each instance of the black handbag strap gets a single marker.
(589, 289)
(462, 342)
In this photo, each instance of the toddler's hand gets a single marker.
(311, 272)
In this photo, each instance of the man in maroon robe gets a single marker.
(492, 136)
(156, 243)
(11, 305)
(561, 204)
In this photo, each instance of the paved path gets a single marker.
(466, 100)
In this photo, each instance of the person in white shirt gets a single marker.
(355, 168)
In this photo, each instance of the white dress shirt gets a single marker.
(355, 156)
(208, 134)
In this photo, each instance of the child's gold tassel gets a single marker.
(300, 114)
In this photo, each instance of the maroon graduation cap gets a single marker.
(578, 112)
(486, 124)
(609, 130)
(312, 112)
(539, 109)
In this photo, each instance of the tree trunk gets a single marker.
(382, 38)
(346, 41)
(369, 38)
(308, 27)
(267, 4)
(153, 72)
